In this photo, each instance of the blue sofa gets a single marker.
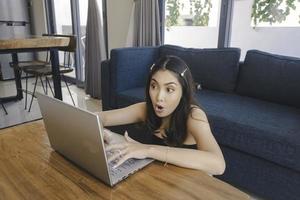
(253, 108)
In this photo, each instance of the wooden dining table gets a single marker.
(31, 169)
(19, 44)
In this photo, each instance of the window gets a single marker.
(271, 33)
(62, 10)
(266, 13)
(83, 11)
(63, 25)
(67, 14)
(192, 23)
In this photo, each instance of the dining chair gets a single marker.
(21, 65)
(46, 70)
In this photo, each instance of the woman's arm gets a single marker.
(131, 114)
(189, 158)
(208, 157)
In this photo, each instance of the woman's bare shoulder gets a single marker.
(141, 105)
(197, 114)
(197, 123)
(140, 108)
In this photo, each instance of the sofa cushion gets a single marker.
(267, 130)
(270, 77)
(126, 62)
(214, 69)
(131, 96)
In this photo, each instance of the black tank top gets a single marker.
(142, 134)
(159, 141)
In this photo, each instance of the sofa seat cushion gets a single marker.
(267, 130)
(131, 96)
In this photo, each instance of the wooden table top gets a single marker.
(31, 169)
(33, 42)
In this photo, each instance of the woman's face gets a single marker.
(165, 92)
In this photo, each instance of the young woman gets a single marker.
(179, 127)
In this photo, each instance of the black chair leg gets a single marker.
(45, 91)
(26, 88)
(47, 81)
(68, 90)
(4, 109)
(36, 80)
(46, 85)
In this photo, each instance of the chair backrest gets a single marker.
(71, 48)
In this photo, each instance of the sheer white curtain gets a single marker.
(95, 49)
(144, 27)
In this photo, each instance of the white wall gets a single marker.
(279, 40)
(118, 18)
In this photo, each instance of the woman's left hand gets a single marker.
(125, 150)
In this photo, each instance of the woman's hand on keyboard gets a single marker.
(126, 150)
(107, 136)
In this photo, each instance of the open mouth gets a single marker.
(159, 108)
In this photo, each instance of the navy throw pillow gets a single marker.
(270, 77)
(214, 69)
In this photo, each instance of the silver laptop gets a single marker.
(77, 135)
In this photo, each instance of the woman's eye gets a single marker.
(153, 86)
(170, 90)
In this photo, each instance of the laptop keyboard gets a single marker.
(126, 166)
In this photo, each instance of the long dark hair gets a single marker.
(177, 131)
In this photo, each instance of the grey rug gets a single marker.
(17, 114)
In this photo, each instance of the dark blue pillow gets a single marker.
(214, 69)
(270, 77)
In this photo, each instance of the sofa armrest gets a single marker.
(105, 85)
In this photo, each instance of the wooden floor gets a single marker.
(30, 169)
